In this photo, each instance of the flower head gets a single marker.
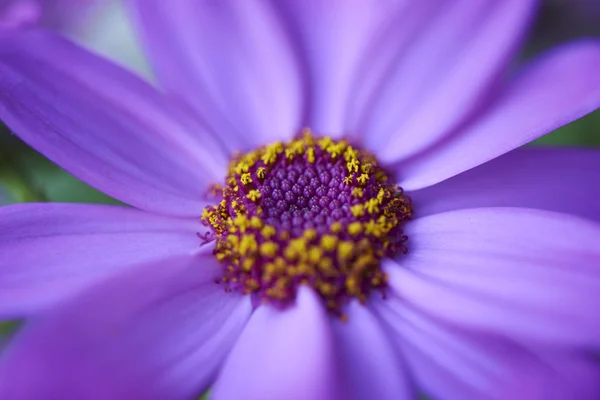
(307, 218)
(249, 236)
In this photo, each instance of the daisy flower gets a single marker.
(327, 200)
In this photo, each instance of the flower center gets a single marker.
(312, 212)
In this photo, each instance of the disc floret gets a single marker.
(315, 212)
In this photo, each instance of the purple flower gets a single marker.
(496, 298)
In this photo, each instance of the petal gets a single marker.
(553, 179)
(230, 61)
(524, 273)
(67, 15)
(104, 125)
(370, 369)
(554, 90)
(440, 58)
(50, 251)
(19, 14)
(451, 364)
(332, 37)
(158, 331)
(282, 355)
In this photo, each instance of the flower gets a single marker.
(495, 299)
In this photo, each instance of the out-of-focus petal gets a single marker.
(15, 14)
(104, 125)
(332, 37)
(370, 369)
(431, 68)
(554, 90)
(282, 355)
(50, 251)
(526, 274)
(447, 363)
(554, 179)
(66, 14)
(231, 61)
(158, 331)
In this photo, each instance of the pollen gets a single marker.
(313, 211)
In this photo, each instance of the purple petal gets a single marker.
(104, 125)
(66, 15)
(231, 61)
(523, 273)
(438, 58)
(553, 179)
(282, 354)
(19, 14)
(451, 364)
(158, 331)
(51, 251)
(554, 90)
(57, 14)
(370, 369)
(332, 37)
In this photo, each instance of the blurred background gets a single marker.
(26, 176)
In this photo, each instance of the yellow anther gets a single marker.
(357, 210)
(352, 285)
(310, 234)
(357, 192)
(373, 228)
(253, 195)
(290, 153)
(336, 227)
(315, 254)
(310, 155)
(247, 264)
(372, 206)
(328, 242)
(352, 165)
(363, 178)
(351, 153)
(261, 172)
(348, 180)
(337, 149)
(268, 249)
(271, 153)
(233, 240)
(325, 143)
(290, 253)
(366, 167)
(355, 228)
(242, 222)
(248, 245)
(246, 178)
(345, 250)
(241, 167)
(256, 222)
(268, 231)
